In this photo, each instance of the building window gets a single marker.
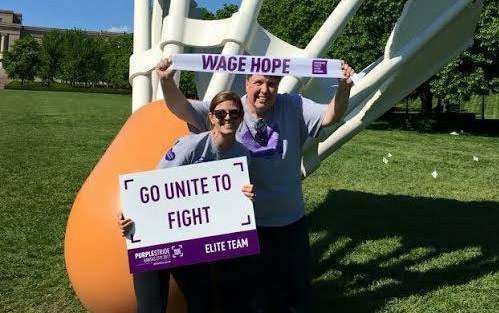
(1, 20)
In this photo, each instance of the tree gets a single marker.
(188, 85)
(205, 14)
(187, 79)
(51, 53)
(362, 41)
(226, 11)
(94, 58)
(83, 58)
(475, 71)
(73, 67)
(364, 37)
(23, 60)
(117, 57)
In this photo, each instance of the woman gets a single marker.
(151, 288)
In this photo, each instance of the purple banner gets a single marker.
(200, 250)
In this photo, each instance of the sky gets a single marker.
(110, 15)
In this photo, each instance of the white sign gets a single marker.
(263, 65)
(188, 214)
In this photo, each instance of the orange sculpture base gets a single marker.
(95, 251)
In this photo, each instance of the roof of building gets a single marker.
(47, 29)
(10, 12)
(41, 29)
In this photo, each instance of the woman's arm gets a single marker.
(174, 98)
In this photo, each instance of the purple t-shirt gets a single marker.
(275, 168)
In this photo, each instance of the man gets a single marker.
(274, 129)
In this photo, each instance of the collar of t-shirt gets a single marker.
(250, 120)
(212, 148)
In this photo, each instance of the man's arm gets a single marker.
(339, 104)
(174, 98)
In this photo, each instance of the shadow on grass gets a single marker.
(377, 247)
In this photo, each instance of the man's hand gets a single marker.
(346, 83)
(164, 69)
(124, 224)
(249, 191)
(338, 105)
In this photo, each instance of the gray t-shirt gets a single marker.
(276, 162)
(197, 148)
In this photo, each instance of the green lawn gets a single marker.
(473, 105)
(385, 237)
(491, 106)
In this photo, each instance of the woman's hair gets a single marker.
(226, 96)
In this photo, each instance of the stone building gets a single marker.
(11, 29)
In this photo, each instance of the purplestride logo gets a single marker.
(177, 251)
(170, 155)
(319, 67)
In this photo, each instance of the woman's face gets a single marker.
(226, 117)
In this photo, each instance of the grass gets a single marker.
(49, 144)
(391, 238)
(57, 86)
(385, 237)
(473, 105)
(491, 102)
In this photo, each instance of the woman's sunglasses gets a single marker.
(221, 114)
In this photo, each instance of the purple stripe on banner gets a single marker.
(200, 250)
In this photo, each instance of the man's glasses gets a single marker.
(221, 114)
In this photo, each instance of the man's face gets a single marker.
(261, 92)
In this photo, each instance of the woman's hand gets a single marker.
(164, 69)
(125, 224)
(249, 191)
